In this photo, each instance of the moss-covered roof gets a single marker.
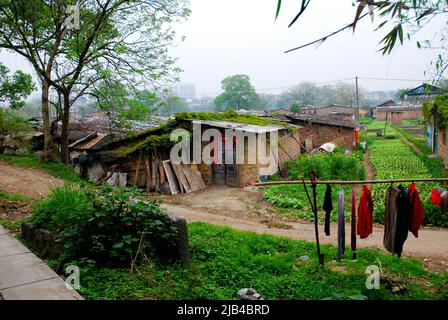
(150, 139)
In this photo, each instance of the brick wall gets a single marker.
(406, 114)
(290, 148)
(320, 134)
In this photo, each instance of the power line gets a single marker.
(391, 79)
(325, 82)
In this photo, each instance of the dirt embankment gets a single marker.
(33, 183)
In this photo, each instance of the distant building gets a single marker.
(319, 129)
(424, 93)
(395, 113)
(202, 104)
(184, 90)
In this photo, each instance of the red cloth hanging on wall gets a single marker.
(365, 214)
(416, 210)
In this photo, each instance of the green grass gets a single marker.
(8, 223)
(366, 120)
(225, 260)
(55, 168)
(420, 143)
(12, 196)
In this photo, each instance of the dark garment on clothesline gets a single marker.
(341, 225)
(353, 231)
(396, 219)
(416, 218)
(328, 207)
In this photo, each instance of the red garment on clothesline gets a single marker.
(435, 197)
(416, 210)
(365, 213)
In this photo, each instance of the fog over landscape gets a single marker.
(242, 37)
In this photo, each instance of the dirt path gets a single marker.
(370, 170)
(431, 247)
(29, 182)
(241, 210)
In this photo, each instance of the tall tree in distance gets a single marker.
(305, 93)
(238, 94)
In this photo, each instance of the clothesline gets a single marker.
(341, 182)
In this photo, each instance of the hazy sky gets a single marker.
(226, 37)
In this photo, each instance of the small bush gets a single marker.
(328, 166)
(108, 225)
(434, 215)
(11, 122)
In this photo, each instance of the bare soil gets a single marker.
(33, 183)
(241, 210)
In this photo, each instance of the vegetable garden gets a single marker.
(391, 159)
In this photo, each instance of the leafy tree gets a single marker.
(14, 88)
(407, 18)
(125, 39)
(345, 94)
(11, 122)
(400, 94)
(295, 107)
(306, 93)
(238, 94)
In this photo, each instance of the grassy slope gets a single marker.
(224, 261)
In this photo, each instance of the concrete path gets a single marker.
(23, 276)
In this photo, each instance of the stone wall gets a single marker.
(47, 244)
(42, 241)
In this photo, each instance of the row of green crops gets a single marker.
(392, 159)
(328, 166)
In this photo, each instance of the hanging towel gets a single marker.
(365, 213)
(390, 218)
(416, 218)
(353, 231)
(341, 225)
(396, 219)
(328, 207)
(435, 197)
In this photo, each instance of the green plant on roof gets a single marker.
(161, 135)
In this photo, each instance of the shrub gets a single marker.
(11, 122)
(65, 207)
(108, 225)
(328, 166)
(434, 215)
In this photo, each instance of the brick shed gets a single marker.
(238, 175)
(319, 129)
(141, 156)
(396, 113)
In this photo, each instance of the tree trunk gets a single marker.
(65, 124)
(48, 138)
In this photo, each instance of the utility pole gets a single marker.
(357, 97)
